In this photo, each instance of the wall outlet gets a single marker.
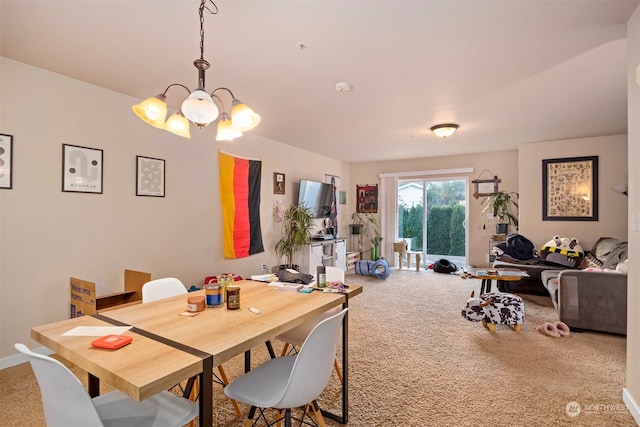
(265, 268)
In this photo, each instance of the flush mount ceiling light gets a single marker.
(199, 108)
(444, 130)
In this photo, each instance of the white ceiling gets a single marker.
(508, 72)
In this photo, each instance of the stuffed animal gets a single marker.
(495, 309)
(563, 252)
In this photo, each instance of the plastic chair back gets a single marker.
(65, 401)
(314, 363)
(162, 288)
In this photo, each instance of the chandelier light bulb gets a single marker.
(178, 125)
(243, 118)
(152, 110)
(226, 132)
(199, 108)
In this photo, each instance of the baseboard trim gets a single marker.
(17, 359)
(632, 405)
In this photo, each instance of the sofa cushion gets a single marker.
(607, 253)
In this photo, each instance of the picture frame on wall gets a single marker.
(278, 183)
(6, 161)
(570, 189)
(82, 169)
(367, 198)
(485, 187)
(150, 177)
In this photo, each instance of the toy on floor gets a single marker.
(495, 308)
(378, 269)
(556, 330)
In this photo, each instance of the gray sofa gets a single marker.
(584, 299)
(591, 300)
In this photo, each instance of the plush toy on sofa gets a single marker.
(562, 251)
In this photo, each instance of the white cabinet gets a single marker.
(323, 252)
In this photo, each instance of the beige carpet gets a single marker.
(414, 361)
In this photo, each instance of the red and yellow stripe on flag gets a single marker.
(240, 200)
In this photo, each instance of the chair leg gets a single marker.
(225, 380)
(317, 413)
(284, 349)
(338, 370)
(249, 421)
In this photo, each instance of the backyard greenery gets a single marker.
(445, 220)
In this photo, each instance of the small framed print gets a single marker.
(6, 161)
(81, 169)
(278, 183)
(150, 177)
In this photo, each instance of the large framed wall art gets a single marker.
(570, 189)
(81, 169)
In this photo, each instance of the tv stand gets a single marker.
(332, 252)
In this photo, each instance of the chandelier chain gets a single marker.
(212, 10)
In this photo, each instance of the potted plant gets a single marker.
(296, 233)
(363, 224)
(501, 204)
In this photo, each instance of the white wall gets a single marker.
(632, 391)
(612, 166)
(47, 235)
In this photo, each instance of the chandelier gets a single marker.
(199, 108)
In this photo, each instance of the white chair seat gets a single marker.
(67, 403)
(117, 409)
(272, 377)
(289, 382)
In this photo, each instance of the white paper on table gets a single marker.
(96, 331)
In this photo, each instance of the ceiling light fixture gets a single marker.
(444, 130)
(199, 108)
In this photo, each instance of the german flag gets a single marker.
(240, 199)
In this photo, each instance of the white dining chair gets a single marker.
(67, 403)
(168, 287)
(290, 382)
(296, 336)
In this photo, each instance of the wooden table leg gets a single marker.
(417, 262)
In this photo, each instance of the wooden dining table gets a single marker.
(168, 348)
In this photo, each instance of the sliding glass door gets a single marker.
(432, 218)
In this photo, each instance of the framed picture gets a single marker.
(343, 197)
(149, 177)
(367, 198)
(485, 187)
(6, 161)
(570, 189)
(278, 183)
(81, 169)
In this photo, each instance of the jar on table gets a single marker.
(233, 297)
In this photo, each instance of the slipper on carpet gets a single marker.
(562, 329)
(549, 329)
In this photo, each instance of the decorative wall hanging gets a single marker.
(278, 183)
(6, 161)
(367, 198)
(570, 189)
(278, 210)
(240, 202)
(150, 177)
(343, 197)
(331, 223)
(485, 187)
(81, 169)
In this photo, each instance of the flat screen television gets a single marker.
(316, 196)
